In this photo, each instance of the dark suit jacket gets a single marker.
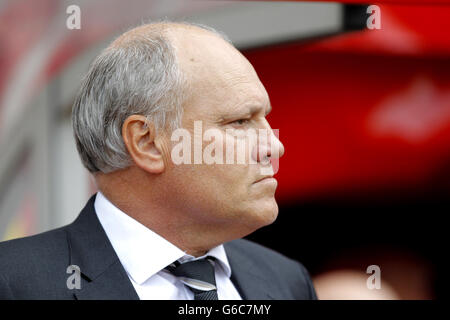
(36, 267)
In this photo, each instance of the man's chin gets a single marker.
(265, 213)
(272, 214)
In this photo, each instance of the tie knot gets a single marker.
(197, 275)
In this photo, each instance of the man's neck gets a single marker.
(158, 213)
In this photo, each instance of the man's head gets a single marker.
(151, 81)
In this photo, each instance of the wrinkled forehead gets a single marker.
(215, 71)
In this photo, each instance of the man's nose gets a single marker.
(269, 144)
(276, 144)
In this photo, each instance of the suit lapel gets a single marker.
(92, 252)
(250, 284)
(112, 284)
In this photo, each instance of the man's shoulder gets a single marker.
(34, 267)
(266, 259)
(288, 275)
(259, 252)
(33, 251)
(34, 241)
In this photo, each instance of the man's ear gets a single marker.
(139, 138)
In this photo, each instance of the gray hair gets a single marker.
(140, 77)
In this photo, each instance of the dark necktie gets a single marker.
(198, 276)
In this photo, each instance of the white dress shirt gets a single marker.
(144, 255)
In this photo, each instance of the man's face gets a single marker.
(226, 99)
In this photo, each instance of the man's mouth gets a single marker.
(266, 178)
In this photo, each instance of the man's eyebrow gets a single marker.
(252, 109)
(255, 109)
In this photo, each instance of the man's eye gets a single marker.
(241, 121)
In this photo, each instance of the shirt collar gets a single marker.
(141, 251)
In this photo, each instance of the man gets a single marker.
(158, 229)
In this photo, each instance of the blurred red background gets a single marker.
(366, 110)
